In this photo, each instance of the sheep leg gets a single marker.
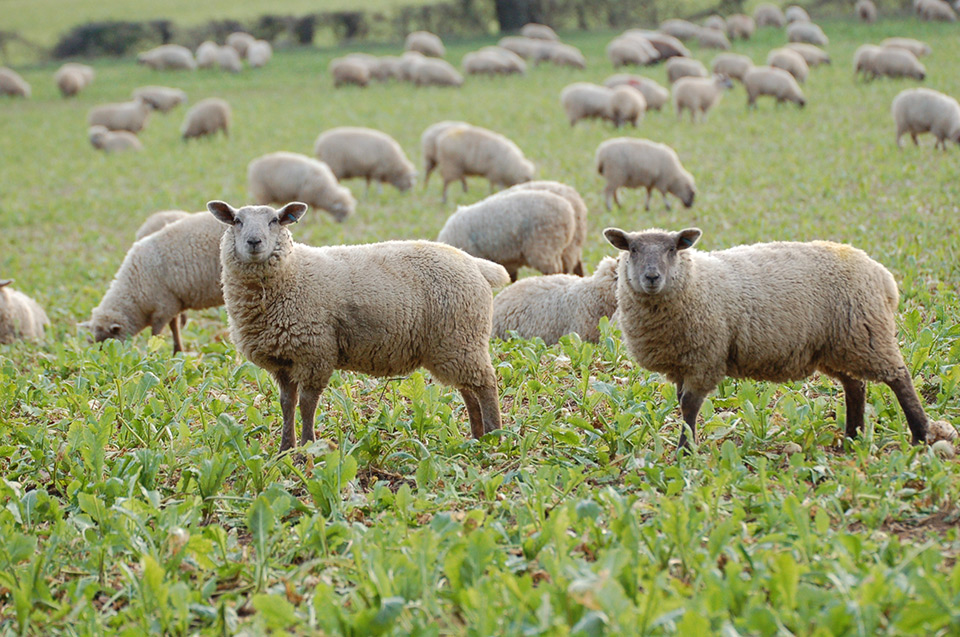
(474, 412)
(443, 197)
(308, 411)
(690, 403)
(855, 396)
(175, 328)
(426, 175)
(289, 391)
(902, 386)
(489, 403)
(608, 193)
(578, 269)
(463, 181)
(666, 202)
(649, 194)
(366, 193)
(513, 274)
(913, 136)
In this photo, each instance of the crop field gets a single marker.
(142, 492)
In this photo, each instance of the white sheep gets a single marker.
(160, 98)
(564, 55)
(493, 60)
(866, 10)
(20, 316)
(678, 67)
(229, 60)
(699, 94)
(740, 26)
(102, 138)
(409, 62)
(426, 43)
(527, 48)
(352, 152)
(716, 22)
(733, 65)
(665, 44)
(796, 13)
(259, 53)
(71, 78)
(790, 61)
(698, 317)
(349, 70)
(159, 220)
(538, 32)
(384, 309)
(777, 83)
(12, 84)
(436, 72)
(627, 162)
(917, 47)
(895, 62)
(550, 306)
(129, 116)
(535, 228)
(176, 268)
(168, 57)
(936, 10)
(863, 57)
(206, 118)
(631, 51)
(680, 29)
(464, 151)
(428, 145)
(806, 32)
(283, 177)
(240, 42)
(769, 15)
(627, 105)
(922, 110)
(583, 100)
(811, 54)
(206, 54)
(713, 39)
(654, 95)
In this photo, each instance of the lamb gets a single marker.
(207, 54)
(535, 228)
(812, 55)
(796, 13)
(740, 26)
(259, 53)
(641, 163)
(895, 62)
(733, 65)
(550, 306)
(159, 220)
(769, 15)
(206, 118)
(71, 78)
(917, 47)
(684, 67)
(777, 83)
(12, 84)
(104, 139)
(627, 51)
(806, 32)
(790, 61)
(428, 145)
(426, 43)
(160, 98)
(464, 151)
(284, 176)
(364, 152)
(20, 316)
(229, 60)
(168, 57)
(436, 72)
(866, 11)
(680, 29)
(700, 316)
(240, 42)
(174, 269)
(349, 70)
(713, 39)
(383, 309)
(538, 32)
(699, 94)
(654, 94)
(129, 116)
(922, 110)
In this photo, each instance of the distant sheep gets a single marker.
(777, 83)
(104, 139)
(680, 29)
(654, 94)
(796, 13)
(733, 65)
(426, 43)
(866, 11)
(71, 78)
(740, 26)
(538, 32)
(129, 116)
(428, 145)
(917, 47)
(259, 53)
(349, 70)
(678, 67)
(791, 62)
(229, 60)
(436, 72)
(206, 118)
(936, 11)
(285, 177)
(240, 42)
(527, 48)
(20, 316)
(206, 54)
(12, 84)
(168, 57)
(807, 32)
(769, 15)
(464, 151)
(493, 60)
(565, 55)
(352, 152)
(713, 39)
(699, 94)
(160, 98)
(159, 220)
(630, 51)
(716, 22)
(627, 162)
(666, 45)
(895, 62)
(583, 100)
(812, 55)
(922, 110)
(863, 61)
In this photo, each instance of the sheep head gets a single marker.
(256, 229)
(652, 256)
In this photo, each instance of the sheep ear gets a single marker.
(617, 238)
(688, 238)
(115, 329)
(5, 282)
(222, 211)
(291, 213)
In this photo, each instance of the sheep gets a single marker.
(733, 65)
(894, 62)
(71, 78)
(713, 39)
(349, 70)
(641, 163)
(229, 60)
(20, 316)
(699, 94)
(769, 15)
(104, 139)
(385, 68)
(493, 60)
(866, 10)
(160, 98)
(428, 145)
(627, 105)
(176, 268)
(168, 57)
(12, 84)
(538, 32)
(777, 83)
(436, 72)
(796, 13)
(464, 151)
(240, 42)
(716, 22)
(527, 48)
(698, 317)
(806, 32)
(680, 29)
(364, 152)
(812, 55)
(666, 45)
(790, 61)
(384, 309)
(206, 54)
(922, 110)
(408, 64)
(259, 53)
(917, 47)
(740, 26)
(550, 306)
(627, 51)
(863, 61)
(426, 43)
(654, 94)
(583, 100)
(129, 116)
(206, 118)
(684, 67)
(565, 55)
(535, 228)
(936, 10)
(159, 220)
(283, 177)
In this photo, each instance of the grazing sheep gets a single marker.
(863, 61)
(12, 84)
(71, 78)
(807, 32)
(777, 83)
(699, 94)
(206, 54)
(791, 62)
(922, 110)
(936, 10)
(259, 53)
(20, 316)
(684, 67)
(654, 94)
(866, 11)
(349, 70)
(627, 105)
(894, 62)
(565, 55)
(464, 151)
(436, 72)
(627, 162)
(206, 118)
(713, 39)
(174, 269)
(631, 51)
(168, 57)
(538, 32)
(240, 42)
(426, 43)
(733, 65)
(159, 220)
(666, 45)
(769, 15)
(408, 64)
(716, 22)
(917, 47)
(283, 177)
(364, 152)
(812, 55)
(551, 306)
(583, 100)
(796, 13)
(102, 138)
(160, 98)
(527, 48)
(386, 68)
(680, 29)
(384, 309)
(535, 228)
(129, 116)
(493, 60)
(229, 60)
(428, 145)
(740, 26)
(698, 317)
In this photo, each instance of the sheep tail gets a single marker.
(495, 274)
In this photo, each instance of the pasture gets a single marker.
(142, 492)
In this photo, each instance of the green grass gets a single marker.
(142, 493)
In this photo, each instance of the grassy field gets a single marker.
(142, 493)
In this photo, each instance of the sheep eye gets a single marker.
(238, 223)
(274, 222)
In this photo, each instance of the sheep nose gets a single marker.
(254, 243)
(652, 277)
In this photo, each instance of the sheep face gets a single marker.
(256, 229)
(109, 324)
(405, 182)
(652, 257)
